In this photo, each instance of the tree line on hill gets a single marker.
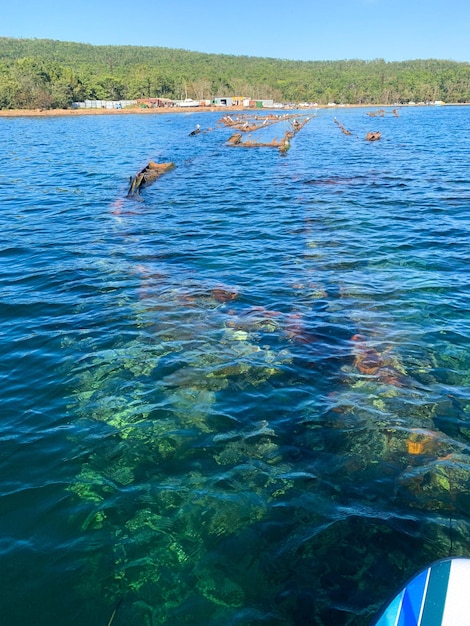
(48, 74)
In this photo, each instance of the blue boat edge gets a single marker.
(422, 596)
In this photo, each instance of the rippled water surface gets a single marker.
(244, 397)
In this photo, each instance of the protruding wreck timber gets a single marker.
(379, 113)
(296, 123)
(148, 175)
(373, 136)
(382, 113)
(252, 123)
(235, 139)
(285, 143)
(345, 131)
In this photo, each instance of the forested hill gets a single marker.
(42, 73)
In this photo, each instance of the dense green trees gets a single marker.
(41, 73)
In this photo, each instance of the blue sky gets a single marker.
(394, 30)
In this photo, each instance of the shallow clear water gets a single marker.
(242, 399)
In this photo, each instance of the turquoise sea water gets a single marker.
(244, 398)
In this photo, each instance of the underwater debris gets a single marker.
(440, 485)
(221, 294)
(160, 541)
(255, 319)
(148, 175)
(423, 441)
(369, 362)
(296, 330)
(373, 136)
(221, 591)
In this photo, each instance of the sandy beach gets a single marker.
(126, 111)
(159, 110)
(156, 110)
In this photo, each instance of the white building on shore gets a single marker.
(103, 104)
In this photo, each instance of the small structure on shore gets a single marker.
(148, 175)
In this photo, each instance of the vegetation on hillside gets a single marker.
(42, 73)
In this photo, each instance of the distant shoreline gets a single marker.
(103, 111)
(179, 110)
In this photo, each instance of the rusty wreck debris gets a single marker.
(244, 124)
(373, 136)
(344, 130)
(148, 175)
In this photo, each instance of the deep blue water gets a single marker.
(243, 398)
